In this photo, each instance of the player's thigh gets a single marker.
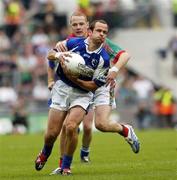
(60, 96)
(74, 117)
(88, 120)
(55, 119)
(102, 113)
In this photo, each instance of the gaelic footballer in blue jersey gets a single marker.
(70, 99)
(98, 62)
(104, 99)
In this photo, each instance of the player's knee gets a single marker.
(87, 129)
(70, 128)
(100, 126)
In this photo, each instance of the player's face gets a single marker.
(79, 26)
(99, 33)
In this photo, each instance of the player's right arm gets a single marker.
(61, 50)
(55, 53)
(51, 77)
(51, 65)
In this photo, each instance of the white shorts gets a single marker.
(104, 96)
(65, 97)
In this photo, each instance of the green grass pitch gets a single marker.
(111, 158)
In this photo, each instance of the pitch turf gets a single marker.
(111, 158)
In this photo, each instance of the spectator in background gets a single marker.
(27, 63)
(26, 4)
(125, 95)
(18, 40)
(47, 16)
(85, 7)
(144, 116)
(13, 16)
(7, 93)
(8, 66)
(40, 91)
(5, 42)
(39, 38)
(165, 107)
(40, 69)
(144, 90)
(20, 117)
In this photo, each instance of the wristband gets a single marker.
(50, 80)
(57, 55)
(114, 69)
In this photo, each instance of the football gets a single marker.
(74, 63)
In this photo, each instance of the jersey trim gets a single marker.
(117, 57)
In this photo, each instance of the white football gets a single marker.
(74, 63)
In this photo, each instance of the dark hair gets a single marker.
(92, 24)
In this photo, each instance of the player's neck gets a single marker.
(92, 46)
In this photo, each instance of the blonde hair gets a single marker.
(78, 13)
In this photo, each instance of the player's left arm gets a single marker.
(87, 85)
(115, 69)
(119, 60)
(97, 81)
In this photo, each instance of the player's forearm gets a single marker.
(123, 59)
(114, 71)
(87, 85)
(59, 48)
(50, 74)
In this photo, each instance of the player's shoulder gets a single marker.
(105, 57)
(104, 54)
(75, 41)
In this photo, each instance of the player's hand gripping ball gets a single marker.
(74, 62)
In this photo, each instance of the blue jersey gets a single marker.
(98, 61)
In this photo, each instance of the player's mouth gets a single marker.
(79, 33)
(101, 39)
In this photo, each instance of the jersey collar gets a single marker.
(96, 50)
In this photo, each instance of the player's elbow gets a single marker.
(94, 87)
(91, 88)
(126, 56)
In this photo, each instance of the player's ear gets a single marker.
(89, 32)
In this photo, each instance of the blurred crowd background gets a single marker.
(30, 28)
